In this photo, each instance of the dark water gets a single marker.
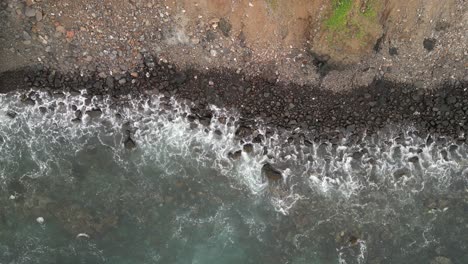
(72, 193)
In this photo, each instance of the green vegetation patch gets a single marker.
(370, 9)
(339, 17)
(273, 4)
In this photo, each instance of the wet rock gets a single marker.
(235, 155)
(414, 159)
(401, 172)
(248, 148)
(429, 43)
(271, 173)
(78, 114)
(193, 125)
(243, 131)
(258, 139)
(218, 132)
(441, 260)
(11, 114)
(94, 113)
(43, 110)
(191, 118)
(129, 143)
(29, 101)
(205, 120)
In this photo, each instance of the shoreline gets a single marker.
(324, 114)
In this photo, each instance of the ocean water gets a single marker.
(71, 192)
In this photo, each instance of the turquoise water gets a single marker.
(178, 198)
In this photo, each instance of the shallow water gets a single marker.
(178, 198)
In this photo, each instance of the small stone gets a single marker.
(429, 43)
(39, 16)
(210, 83)
(122, 81)
(29, 11)
(134, 74)
(213, 53)
(60, 29)
(70, 34)
(195, 41)
(40, 220)
(26, 35)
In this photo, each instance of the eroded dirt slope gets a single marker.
(338, 44)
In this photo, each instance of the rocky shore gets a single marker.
(337, 67)
(319, 113)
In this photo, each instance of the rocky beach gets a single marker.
(284, 131)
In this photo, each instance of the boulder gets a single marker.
(271, 173)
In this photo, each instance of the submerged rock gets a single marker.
(11, 114)
(129, 143)
(271, 173)
(441, 260)
(94, 113)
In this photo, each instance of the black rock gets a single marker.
(248, 148)
(258, 139)
(205, 120)
(243, 131)
(236, 155)
(393, 51)
(180, 78)
(414, 159)
(42, 109)
(94, 113)
(218, 132)
(78, 114)
(29, 101)
(451, 100)
(74, 92)
(271, 173)
(191, 118)
(429, 43)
